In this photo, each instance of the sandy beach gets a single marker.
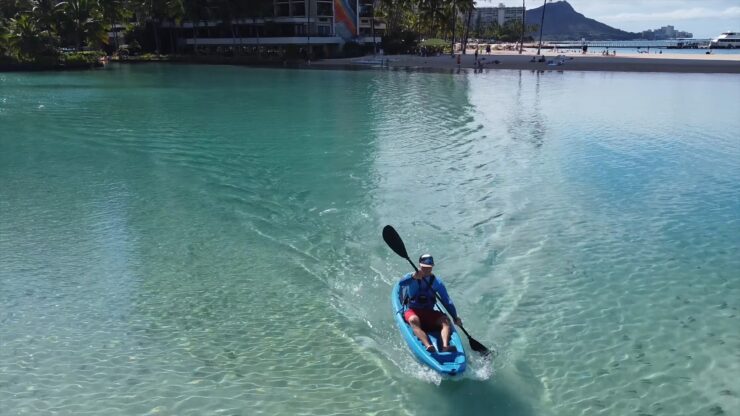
(560, 61)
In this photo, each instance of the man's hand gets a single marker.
(458, 321)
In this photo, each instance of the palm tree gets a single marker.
(114, 11)
(176, 14)
(46, 13)
(27, 39)
(395, 14)
(23, 36)
(453, 12)
(542, 25)
(428, 11)
(524, 19)
(466, 6)
(10, 8)
(154, 12)
(86, 21)
(457, 7)
(4, 38)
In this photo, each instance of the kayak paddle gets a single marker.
(394, 241)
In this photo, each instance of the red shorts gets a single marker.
(429, 317)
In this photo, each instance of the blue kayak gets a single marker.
(448, 363)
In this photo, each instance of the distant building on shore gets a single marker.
(483, 17)
(664, 33)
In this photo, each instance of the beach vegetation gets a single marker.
(82, 58)
(449, 20)
(509, 32)
(435, 46)
(28, 40)
(34, 31)
(42, 33)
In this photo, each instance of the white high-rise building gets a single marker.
(487, 16)
(668, 31)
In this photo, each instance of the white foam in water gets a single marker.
(480, 368)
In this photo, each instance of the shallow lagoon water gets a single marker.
(206, 240)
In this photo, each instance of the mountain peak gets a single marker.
(562, 4)
(563, 22)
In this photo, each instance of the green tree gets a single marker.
(84, 22)
(46, 13)
(10, 8)
(4, 39)
(457, 8)
(114, 12)
(27, 40)
(398, 15)
(152, 13)
(467, 8)
(176, 15)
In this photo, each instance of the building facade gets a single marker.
(319, 27)
(664, 33)
(670, 32)
(484, 17)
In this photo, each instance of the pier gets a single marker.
(668, 44)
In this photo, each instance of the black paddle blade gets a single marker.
(475, 345)
(394, 241)
(478, 347)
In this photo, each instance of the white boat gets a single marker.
(726, 40)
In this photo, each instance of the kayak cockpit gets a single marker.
(448, 363)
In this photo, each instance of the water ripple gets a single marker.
(189, 240)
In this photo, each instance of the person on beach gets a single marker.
(420, 292)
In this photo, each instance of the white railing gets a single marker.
(283, 40)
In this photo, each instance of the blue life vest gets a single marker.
(420, 294)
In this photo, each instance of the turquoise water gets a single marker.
(206, 240)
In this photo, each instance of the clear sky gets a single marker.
(703, 18)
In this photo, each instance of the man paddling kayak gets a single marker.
(418, 291)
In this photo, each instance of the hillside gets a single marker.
(562, 22)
